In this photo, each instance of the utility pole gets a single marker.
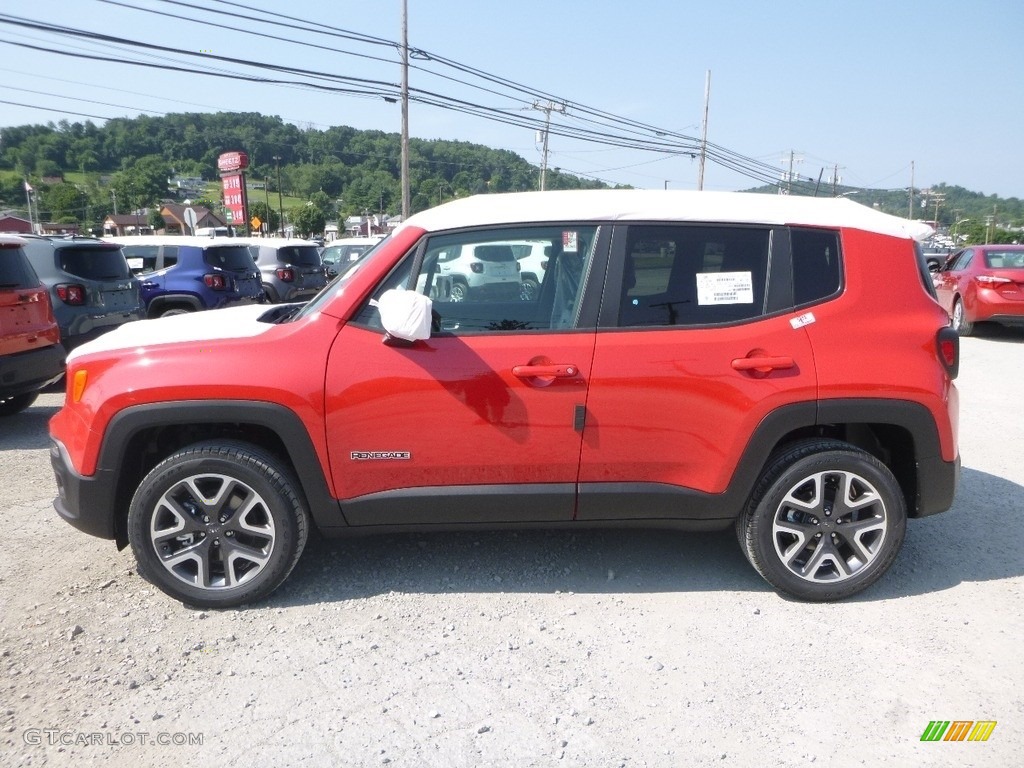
(280, 197)
(793, 159)
(704, 132)
(547, 109)
(406, 195)
(910, 214)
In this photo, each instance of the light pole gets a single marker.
(956, 226)
(280, 199)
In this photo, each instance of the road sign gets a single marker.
(191, 219)
(255, 222)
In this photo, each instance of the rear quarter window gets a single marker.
(15, 271)
(817, 271)
(94, 262)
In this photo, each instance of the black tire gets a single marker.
(959, 321)
(528, 289)
(171, 311)
(217, 524)
(794, 534)
(16, 403)
(460, 290)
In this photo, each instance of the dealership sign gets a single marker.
(232, 161)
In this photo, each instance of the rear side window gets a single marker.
(94, 262)
(15, 271)
(142, 259)
(693, 275)
(234, 257)
(300, 256)
(816, 268)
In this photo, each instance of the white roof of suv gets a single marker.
(663, 205)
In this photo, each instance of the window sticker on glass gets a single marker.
(725, 288)
(570, 242)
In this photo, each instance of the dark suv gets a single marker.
(91, 288)
(187, 274)
(690, 360)
(31, 356)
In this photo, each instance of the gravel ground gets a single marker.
(530, 649)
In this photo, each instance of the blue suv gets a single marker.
(188, 274)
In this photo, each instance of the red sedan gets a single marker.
(983, 283)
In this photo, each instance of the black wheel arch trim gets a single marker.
(98, 504)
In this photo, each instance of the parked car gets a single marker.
(291, 270)
(91, 288)
(479, 269)
(188, 274)
(533, 258)
(691, 360)
(31, 355)
(344, 251)
(983, 283)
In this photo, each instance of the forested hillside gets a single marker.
(130, 160)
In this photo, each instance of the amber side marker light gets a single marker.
(78, 382)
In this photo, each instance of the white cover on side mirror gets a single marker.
(405, 314)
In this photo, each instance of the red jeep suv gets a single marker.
(688, 360)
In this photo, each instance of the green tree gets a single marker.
(267, 215)
(308, 220)
(61, 201)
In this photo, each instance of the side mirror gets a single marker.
(405, 315)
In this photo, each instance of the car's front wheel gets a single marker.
(825, 521)
(217, 524)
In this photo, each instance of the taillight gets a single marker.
(286, 274)
(949, 351)
(477, 267)
(72, 294)
(991, 281)
(215, 281)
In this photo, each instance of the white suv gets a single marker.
(480, 269)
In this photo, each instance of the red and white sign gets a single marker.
(232, 161)
(234, 197)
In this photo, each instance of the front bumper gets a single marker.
(87, 503)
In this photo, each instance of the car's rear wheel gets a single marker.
(528, 289)
(960, 323)
(459, 291)
(825, 521)
(16, 403)
(170, 311)
(217, 524)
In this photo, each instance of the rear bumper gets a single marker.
(937, 484)
(31, 371)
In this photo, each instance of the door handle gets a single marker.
(762, 364)
(553, 370)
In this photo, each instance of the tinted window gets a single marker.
(300, 256)
(15, 271)
(693, 275)
(236, 257)
(94, 262)
(1004, 259)
(816, 268)
(500, 306)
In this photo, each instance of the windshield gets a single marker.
(94, 262)
(233, 257)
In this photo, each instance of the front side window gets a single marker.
(693, 275)
(142, 259)
(477, 284)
